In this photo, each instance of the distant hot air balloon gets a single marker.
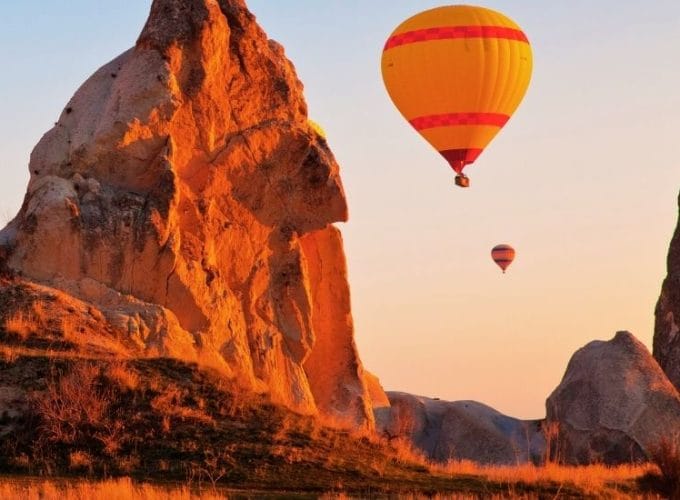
(457, 74)
(503, 255)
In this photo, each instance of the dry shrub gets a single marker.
(110, 437)
(22, 460)
(120, 374)
(166, 424)
(239, 395)
(80, 461)
(8, 354)
(404, 451)
(168, 400)
(70, 403)
(288, 424)
(214, 466)
(551, 434)
(666, 455)
(289, 454)
(128, 464)
(403, 421)
(21, 324)
(171, 403)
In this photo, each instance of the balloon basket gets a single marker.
(462, 181)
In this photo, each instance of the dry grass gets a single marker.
(21, 324)
(125, 488)
(123, 376)
(595, 480)
(169, 404)
(112, 489)
(166, 420)
(8, 354)
(591, 479)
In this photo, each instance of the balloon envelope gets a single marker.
(457, 74)
(503, 255)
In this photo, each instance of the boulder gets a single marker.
(614, 404)
(461, 430)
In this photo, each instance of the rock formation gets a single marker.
(461, 430)
(182, 206)
(666, 338)
(614, 403)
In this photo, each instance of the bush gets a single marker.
(71, 403)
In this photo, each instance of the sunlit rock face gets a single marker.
(461, 430)
(182, 206)
(614, 404)
(667, 325)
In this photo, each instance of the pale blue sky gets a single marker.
(583, 181)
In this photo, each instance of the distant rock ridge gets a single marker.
(182, 206)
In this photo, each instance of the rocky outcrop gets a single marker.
(182, 206)
(461, 430)
(378, 396)
(614, 403)
(667, 325)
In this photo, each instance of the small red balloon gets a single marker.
(503, 255)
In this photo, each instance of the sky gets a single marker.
(583, 181)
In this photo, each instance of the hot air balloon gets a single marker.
(503, 255)
(457, 74)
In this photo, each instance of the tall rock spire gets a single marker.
(184, 197)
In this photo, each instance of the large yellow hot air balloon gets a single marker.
(457, 74)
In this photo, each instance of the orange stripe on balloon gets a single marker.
(448, 119)
(453, 32)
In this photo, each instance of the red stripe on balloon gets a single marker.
(464, 155)
(458, 158)
(449, 119)
(454, 32)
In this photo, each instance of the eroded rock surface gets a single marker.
(614, 404)
(461, 430)
(182, 206)
(667, 325)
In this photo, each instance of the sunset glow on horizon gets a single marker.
(582, 182)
